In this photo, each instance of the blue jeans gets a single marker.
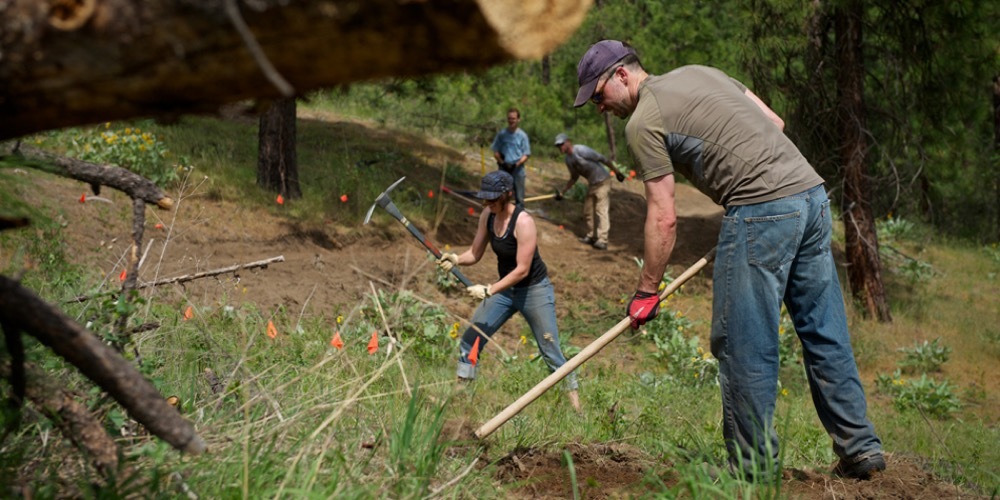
(768, 253)
(520, 176)
(537, 303)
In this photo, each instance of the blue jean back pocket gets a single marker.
(772, 240)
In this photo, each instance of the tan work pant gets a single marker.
(596, 205)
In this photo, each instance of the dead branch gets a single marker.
(128, 182)
(70, 416)
(98, 362)
(191, 277)
(94, 61)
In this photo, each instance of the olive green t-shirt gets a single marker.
(696, 120)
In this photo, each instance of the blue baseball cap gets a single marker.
(599, 57)
(495, 184)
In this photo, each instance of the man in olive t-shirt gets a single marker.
(773, 247)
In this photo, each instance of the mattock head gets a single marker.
(383, 199)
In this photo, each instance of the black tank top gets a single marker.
(505, 246)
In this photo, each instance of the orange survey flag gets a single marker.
(280, 200)
(123, 275)
(188, 313)
(83, 198)
(271, 330)
(474, 353)
(373, 343)
(336, 341)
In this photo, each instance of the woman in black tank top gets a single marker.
(523, 285)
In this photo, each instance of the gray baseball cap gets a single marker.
(599, 57)
(495, 184)
(561, 138)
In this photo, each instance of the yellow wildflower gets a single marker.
(784, 392)
(524, 340)
(340, 319)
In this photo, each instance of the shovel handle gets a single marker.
(584, 355)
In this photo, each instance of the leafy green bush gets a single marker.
(924, 357)
(127, 147)
(424, 326)
(933, 398)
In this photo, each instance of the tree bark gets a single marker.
(134, 185)
(864, 266)
(71, 63)
(277, 167)
(70, 416)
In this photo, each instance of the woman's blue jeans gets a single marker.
(537, 303)
(769, 253)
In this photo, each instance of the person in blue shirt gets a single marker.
(511, 149)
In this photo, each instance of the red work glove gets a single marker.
(642, 308)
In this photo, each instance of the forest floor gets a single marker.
(329, 268)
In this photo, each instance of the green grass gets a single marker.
(300, 418)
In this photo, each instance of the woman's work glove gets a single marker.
(642, 308)
(479, 292)
(447, 261)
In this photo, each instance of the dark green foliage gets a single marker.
(928, 66)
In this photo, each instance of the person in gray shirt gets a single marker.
(773, 248)
(582, 161)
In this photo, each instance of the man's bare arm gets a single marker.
(660, 231)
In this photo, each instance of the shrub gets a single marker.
(925, 357)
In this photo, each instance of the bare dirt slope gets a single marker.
(328, 270)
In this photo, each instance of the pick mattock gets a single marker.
(584, 355)
(386, 203)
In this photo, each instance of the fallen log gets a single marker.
(89, 61)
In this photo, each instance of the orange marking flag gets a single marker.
(430, 194)
(472, 211)
(280, 200)
(83, 198)
(336, 341)
(343, 198)
(121, 277)
(474, 353)
(271, 330)
(188, 313)
(373, 343)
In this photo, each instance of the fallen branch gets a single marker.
(191, 277)
(126, 181)
(27, 312)
(70, 416)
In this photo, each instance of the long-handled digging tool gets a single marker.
(386, 203)
(540, 197)
(584, 355)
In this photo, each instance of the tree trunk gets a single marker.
(277, 168)
(864, 266)
(996, 149)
